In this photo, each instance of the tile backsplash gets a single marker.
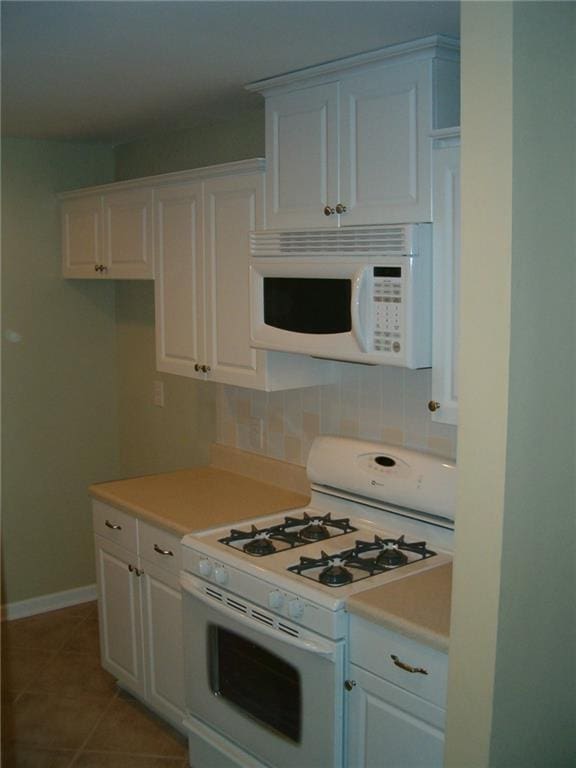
(377, 403)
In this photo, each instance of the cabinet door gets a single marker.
(119, 613)
(162, 615)
(233, 206)
(385, 121)
(128, 233)
(82, 237)
(391, 728)
(446, 301)
(179, 289)
(302, 154)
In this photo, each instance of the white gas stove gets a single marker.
(265, 602)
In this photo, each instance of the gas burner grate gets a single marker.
(363, 560)
(292, 532)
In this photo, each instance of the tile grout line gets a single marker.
(93, 729)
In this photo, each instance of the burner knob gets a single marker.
(275, 600)
(205, 568)
(221, 575)
(295, 608)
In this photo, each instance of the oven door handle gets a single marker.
(190, 585)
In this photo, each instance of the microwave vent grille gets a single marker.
(385, 240)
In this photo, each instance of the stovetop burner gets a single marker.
(365, 559)
(292, 532)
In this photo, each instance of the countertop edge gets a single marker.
(402, 626)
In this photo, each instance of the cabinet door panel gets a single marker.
(178, 288)
(385, 149)
(302, 151)
(119, 612)
(163, 641)
(390, 728)
(446, 305)
(234, 206)
(128, 245)
(81, 236)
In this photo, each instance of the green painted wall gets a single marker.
(153, 439)
(512, 679)
(59, 404)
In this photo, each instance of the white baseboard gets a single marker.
(46, 603)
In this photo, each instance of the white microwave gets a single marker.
(357, 294)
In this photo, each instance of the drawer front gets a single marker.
(115, 525)
(387, 654)
(160, 547)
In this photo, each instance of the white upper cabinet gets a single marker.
(348, 143)
(202, 286)
(446, 289)
(108, 234)
(179, 290)
(302, 148)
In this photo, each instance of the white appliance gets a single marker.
(264, 603)
(360, 294)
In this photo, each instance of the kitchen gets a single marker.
(143, 439)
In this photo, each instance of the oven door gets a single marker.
(256, 686)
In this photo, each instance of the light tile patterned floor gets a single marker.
(60, 709)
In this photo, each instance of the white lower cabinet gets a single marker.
(396, 693)
(139, 607)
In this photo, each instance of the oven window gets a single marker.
(308, 305)
(260, 683)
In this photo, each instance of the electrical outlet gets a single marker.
(256, 436)
(159, 394)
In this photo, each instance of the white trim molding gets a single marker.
(45, 603)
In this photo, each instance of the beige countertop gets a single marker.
(193, 499)
(417, 606)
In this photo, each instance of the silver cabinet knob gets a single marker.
(349, 684)
(196, 367)
(433, 406)
(114, 526)
(340, 208)
(205, 368)
(328, 211)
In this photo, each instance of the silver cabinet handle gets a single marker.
(114, 527)
(340, 208)
(163, 551)
(130, 567)
(433, 405)
(205, 368)
(328, 211)
(349, 684)
(196, 367)
(407, 667)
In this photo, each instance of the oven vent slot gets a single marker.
(214, 594)
(288, 630)
(263, 618)
(236, 605)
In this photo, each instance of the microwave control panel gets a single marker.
(388, 310)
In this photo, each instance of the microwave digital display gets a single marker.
(387, 271)
(308, 305)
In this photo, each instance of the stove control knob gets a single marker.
(205, 568)
(221, 575)
(275, 600)
(295, 608)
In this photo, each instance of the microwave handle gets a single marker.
(357, 288)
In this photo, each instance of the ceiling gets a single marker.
(116, 71)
